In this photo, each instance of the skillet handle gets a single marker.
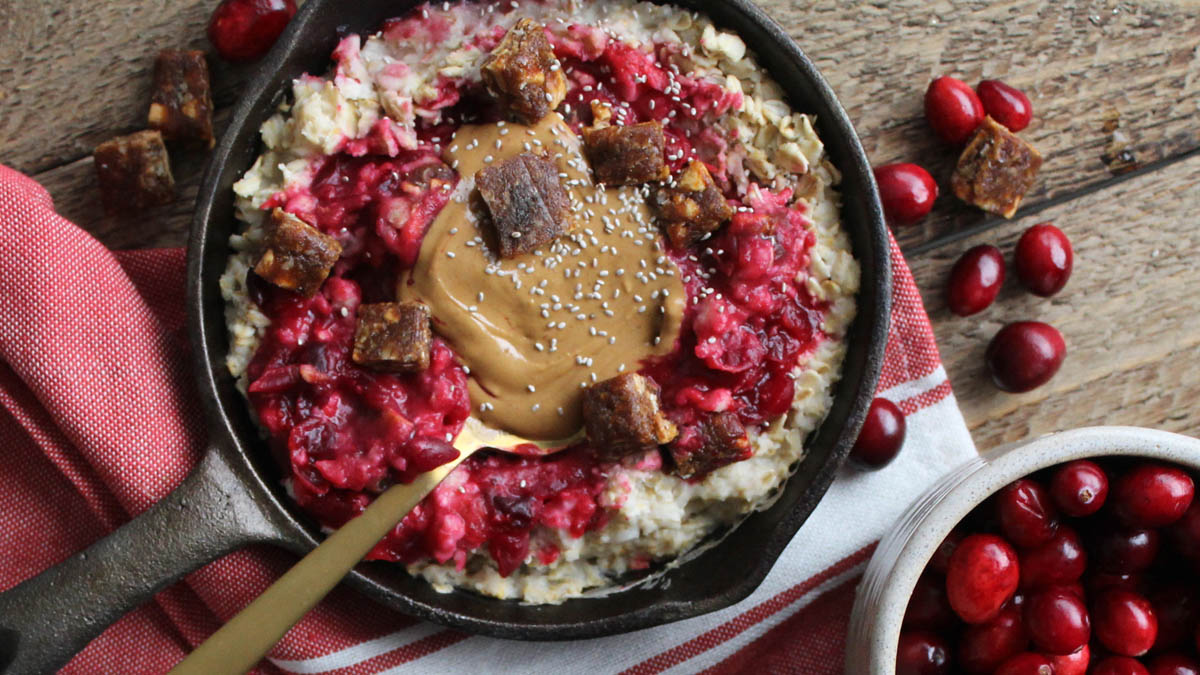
(45, 620)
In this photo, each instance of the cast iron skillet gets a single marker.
(233, 498)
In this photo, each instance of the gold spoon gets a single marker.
(245, 639)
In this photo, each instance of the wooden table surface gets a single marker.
(1116, 94)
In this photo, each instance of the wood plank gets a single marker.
(1098, 72)
(1100, 75)
(76, 73)
(1128, 315)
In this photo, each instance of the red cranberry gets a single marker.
(1185, 532)
(1099, 581)
(1079, 488)
(1057, 620)
(1007, 105)
(1025, 355)
(907, 192)
(953, 109)
(1125, 622)
(1177, 608)
(881, 436)
(928, 606)
(244, 30)
(1174, 663)
(922, 653)
(1152, 495)
(1119, 665)
(982, 576)
(1043, 259)
(1062, 560)
(1026, 663)
(1075, 663)
(984, 646)
(1027, 517)
(975, 280)
(941, 557)
(1125, 551)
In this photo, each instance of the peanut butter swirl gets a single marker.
(536, 329)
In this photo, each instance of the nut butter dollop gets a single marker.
(536, 329)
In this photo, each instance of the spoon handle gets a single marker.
(245, 639)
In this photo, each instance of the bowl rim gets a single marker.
(902, 555)
(827, 446)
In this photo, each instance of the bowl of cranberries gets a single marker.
(1076, 552)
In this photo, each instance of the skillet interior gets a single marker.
(717, 578)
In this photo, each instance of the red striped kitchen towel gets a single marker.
(99, 420)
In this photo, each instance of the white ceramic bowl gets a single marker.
(903, 553)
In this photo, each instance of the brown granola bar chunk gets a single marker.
(622, 417)
(393, 337)
(717, 441)
(181, 105)
(626, 155)
(134, 172)
(296, 255)
(527, 202)
(692, 207)
(523, 73)
(995, 170)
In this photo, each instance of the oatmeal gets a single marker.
(625, 240)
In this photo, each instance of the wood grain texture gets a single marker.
(1098, 72)
(1128, 315)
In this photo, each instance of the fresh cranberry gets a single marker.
(1079, 488)
(953, 109)
(1024, 355)
(1177, 608)
(1043, 259)
(1075, 663)
(984, 646)
(1061, 560)
(928, 606)
(1152, 495)
(975, 280)
(907, 192)
(1125, 622)
(1125, 551)
(1174, 663)
(1185, 532)
(941, 557)
(1007, 105)
(881, 436)
(922, 653)
(244, 30)
(1027, 517)
(1026, 663)
(982, 576)
(1119, 665)
(1057, 620)
(1099, 581)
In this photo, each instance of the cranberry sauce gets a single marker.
(347, 433)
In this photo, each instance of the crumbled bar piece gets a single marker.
(181, 105)
(523, 73)
(626, 155)
(527, 202)
(622, 417)
(995, 170)
(601, 114)
(393, 336)
(134, 172)
(692, 207)
(717, 441)
(296, 255)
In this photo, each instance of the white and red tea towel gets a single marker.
(99, 419)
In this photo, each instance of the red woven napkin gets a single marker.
(100, 420)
